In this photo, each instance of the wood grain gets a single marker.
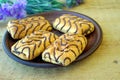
(104, 64)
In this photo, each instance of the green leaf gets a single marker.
(70, 3)
(36, 6)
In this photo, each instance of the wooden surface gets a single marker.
(104, 64)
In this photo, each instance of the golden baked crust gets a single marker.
(65, 49)
(20, 28)
(33, 45)
(72, 24)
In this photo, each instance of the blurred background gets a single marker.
(103, 64)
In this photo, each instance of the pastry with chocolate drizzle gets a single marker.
(68, 23)
(20, 28)
(65, 49)
(33, 45)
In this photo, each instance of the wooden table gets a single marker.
(103, 64)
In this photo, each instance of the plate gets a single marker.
(94, 40)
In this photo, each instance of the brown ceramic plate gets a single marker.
(94, 40)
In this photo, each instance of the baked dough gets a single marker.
(20, 28)
(65, 49)
(72, 24)
(33, 45)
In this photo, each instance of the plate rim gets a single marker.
(49, 65)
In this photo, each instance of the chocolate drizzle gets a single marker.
(50, 38)
(73, 52)
(35, 27)
(27, 52)
(65, 48)
(67, 58)
(45, 42)
(69, 26)
(20, 32)
(58, 23)
(76, 25)
(10, 31)
(63, 24)
(54, 54)
(70, 23)
(22, 27)
(33, 42)
(43, 25)
(45, 56)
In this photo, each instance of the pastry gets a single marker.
(20, 28)
(72, 24)
(65, 49)
(33, 45)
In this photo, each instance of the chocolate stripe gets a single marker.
(69, 26)
(58, 23)
(33, 52)
(28, 51)
(47, 29)
(14, 35)
(73, 53)
(47, 53)
(80, 44)
(63, 24)
(84, 39)
(61, 42)
(75, 46)
(16, 52)
(57, 59)
(49, 38)
(81, 28)
(26, 32)
(15, 46)
(54, 55)
(76, 27)
(55, 37)
(44, 43)
(34, 29)
(39, 43)
(67, 58)
(43, 25)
